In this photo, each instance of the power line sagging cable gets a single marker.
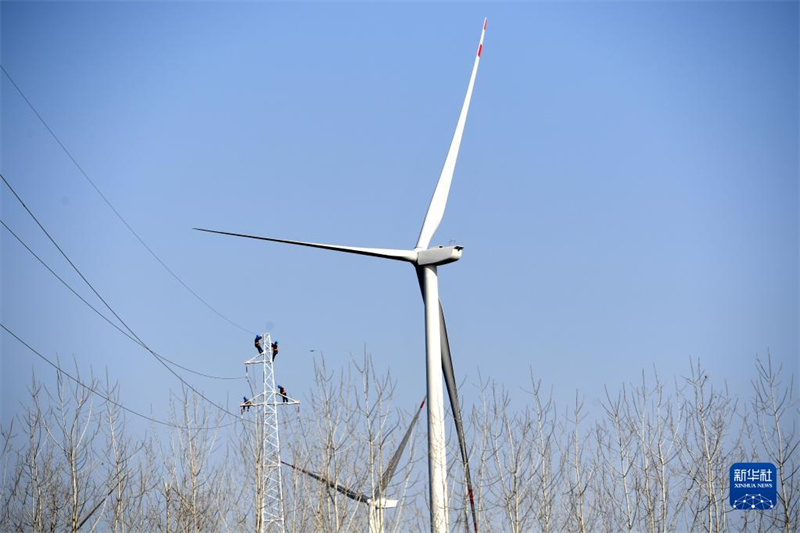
(104, 317)
(77, 270)
(101, 395)
(108, 203)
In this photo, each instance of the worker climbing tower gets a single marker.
(267, 444)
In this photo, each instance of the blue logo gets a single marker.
(753, 486)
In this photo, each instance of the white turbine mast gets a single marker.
(439, 362)
(378, 501)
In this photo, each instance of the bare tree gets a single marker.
(9, 474)
(129, 480)
(656, 426)
(776, 410)
(708, 449)
(482, 428)
(618, 454)
(327, 448)
(514, 465)
(580, 473)
(29, 505)
(344, 438)
(543, 456)
(654, 459)
(194, 475)
(59, 481)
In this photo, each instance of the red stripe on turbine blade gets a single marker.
(480, 47)
(484, 24)
(472, 503)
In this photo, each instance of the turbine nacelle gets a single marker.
(441, 255)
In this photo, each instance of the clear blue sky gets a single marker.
(627, 190)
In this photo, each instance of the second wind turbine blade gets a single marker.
(392, 466)
(386, 253)
(344, 490)
(452, 391)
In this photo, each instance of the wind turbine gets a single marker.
(426, 261)
(377, 502)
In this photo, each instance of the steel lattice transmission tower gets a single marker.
(269, 486)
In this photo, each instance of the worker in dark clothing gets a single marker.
(282, 392)
(259, 344)
(274, 350)
(246, 404)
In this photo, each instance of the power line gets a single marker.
(108, 203)
(158, 357)
(100, 394)
(104, 317)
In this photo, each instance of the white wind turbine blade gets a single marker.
(455, 406)
(341, 488)
(378, 501)
(395, 460)
(439, 199)
(386, 253)
(385, 478)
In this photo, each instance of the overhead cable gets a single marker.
(158, 357)
(104, 317)
(108, 203)
(105, 397)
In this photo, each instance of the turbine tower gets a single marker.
(426, 261)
